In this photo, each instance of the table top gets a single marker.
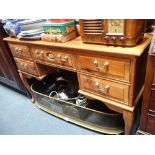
(78, 44)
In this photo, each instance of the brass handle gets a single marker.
(63, 59)
(59, 56)
(39, 52)
(95, 62)
(106, 65)
(105, 88)
(21, 64)
(25, 66)
(50, 56)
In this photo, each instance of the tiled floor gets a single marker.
(18, 116)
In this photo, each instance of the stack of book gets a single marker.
(59, 38)
(59, 31)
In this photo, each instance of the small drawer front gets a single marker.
(105, 88)
(26, 66)
(117, 68)
(60, 58)
(20, 51)
(152, 101)
(150, 124)
(55, 56)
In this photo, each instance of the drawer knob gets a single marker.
(63, 59)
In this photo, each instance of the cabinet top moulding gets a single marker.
(78, 44)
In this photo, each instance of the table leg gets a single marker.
(128, 119)
(25, 82)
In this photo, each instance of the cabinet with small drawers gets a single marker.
(54, 56)
(24, 60)
(110, 74)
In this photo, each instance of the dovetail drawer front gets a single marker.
(20, 51)
(108, 67)
(26, 66)
(105, 88)
(55, 56)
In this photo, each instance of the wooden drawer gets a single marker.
(150, 127)
(105, 88)
(20, 51)
(55, 56)
(26, 66)
(105, 66)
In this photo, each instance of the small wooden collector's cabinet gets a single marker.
(113, 75)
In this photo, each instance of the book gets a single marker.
(58, 38)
